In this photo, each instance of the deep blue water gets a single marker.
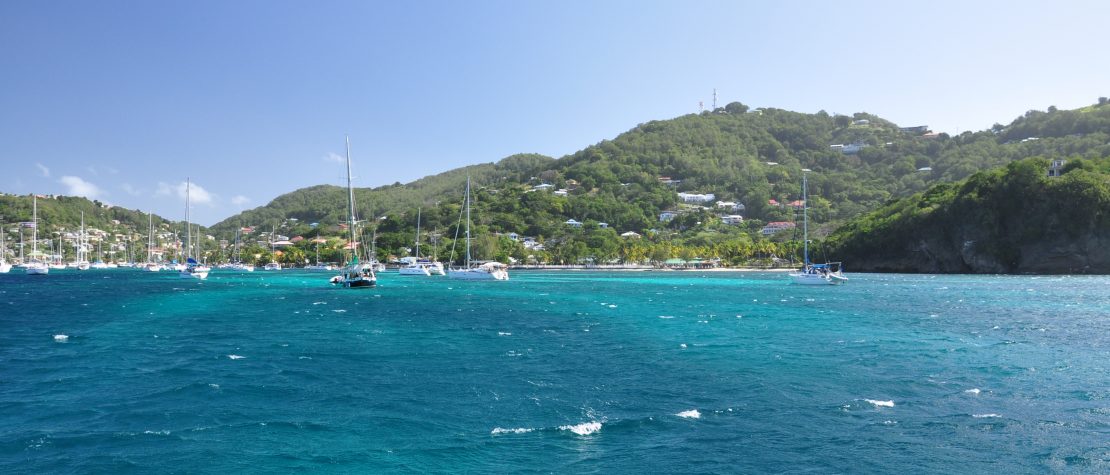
(583, 372)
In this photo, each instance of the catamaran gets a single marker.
(484, 271)
(416, 265)
(35, 267)
(193, 269)
(355, 274)
(829, 273)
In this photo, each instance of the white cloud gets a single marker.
(197, 194)
(130, 189)
(240, 200)
(80, 187)
(45, 171)
(92, 169)
(334, 157)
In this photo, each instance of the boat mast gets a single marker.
(351, 203)
(805, 218)
(468, 221)
(188, 228)
(418, 233)
(34, 226)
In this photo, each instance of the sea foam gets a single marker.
(61, 338)
(691, 414)
(585, 428)
(973, 391)
(236, 357)
(984, 416)
(518, 430)
(877, 403)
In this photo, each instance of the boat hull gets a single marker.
(37, 270)
(477, 274)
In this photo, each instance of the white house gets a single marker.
(630, 235)
(561, 192)
(543, 187)
(776, 226)
(730, 205)
(602, 225)
(732, 219)
(667, 215)
(573, 223)
(696, 197)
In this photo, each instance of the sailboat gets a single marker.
(485, 271)
(5, 267)
(150, 265)
(355, 274)
(829, 273)
(193, 269)
(417, 265)
(273, 264)
(35, 267)
(238, 264)
(318, 265)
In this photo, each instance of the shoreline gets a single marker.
(648, 269)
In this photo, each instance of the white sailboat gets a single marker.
(193, 269)
(35, 267)
(829, 273)
(150, 265)
(318, 265)
(356, 274)
(5, 267)
(238, 264)
(419, 266)
(484, 271)
(273, 264)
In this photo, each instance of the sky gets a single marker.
(121, 101)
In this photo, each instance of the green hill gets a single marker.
(1015, 219)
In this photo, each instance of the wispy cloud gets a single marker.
(197, 193)
(91, 169)
(131, 190)
(240, 200)
(42, 168)
(334, 157)
(79, 187)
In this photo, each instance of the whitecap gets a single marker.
(878, 403)
(504, 334)
(340, 311)
(518, 430)
(666, 317)
(612, 306)
(236, 357)
(683, 345)
(972, 391)
(691, 414)
(159, 432)
(214, 385)
(585, 428)
(984, 416)
(61, 338)
(319, 303)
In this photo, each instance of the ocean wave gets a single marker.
(666, 317)
(518, 430)
(235, 357)
(878, 403)
(973, 391)
(504, 334)
(585, 428)
(985, 416)
(61, 338)
(691, 414)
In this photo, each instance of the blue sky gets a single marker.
(120, 101)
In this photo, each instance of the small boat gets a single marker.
(829, 273)
(416, 265)
(484, 271)
(271, 266)
(150, 265)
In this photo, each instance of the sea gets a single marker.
(121, 371)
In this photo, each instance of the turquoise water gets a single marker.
(583, 372)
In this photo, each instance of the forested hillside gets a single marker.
(1015, 219)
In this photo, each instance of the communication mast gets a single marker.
(714, 98)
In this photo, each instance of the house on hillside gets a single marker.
(732, 219)
(1057, 167)
(667, 216)
(573, 223)
(776, 226)
(696, 197)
